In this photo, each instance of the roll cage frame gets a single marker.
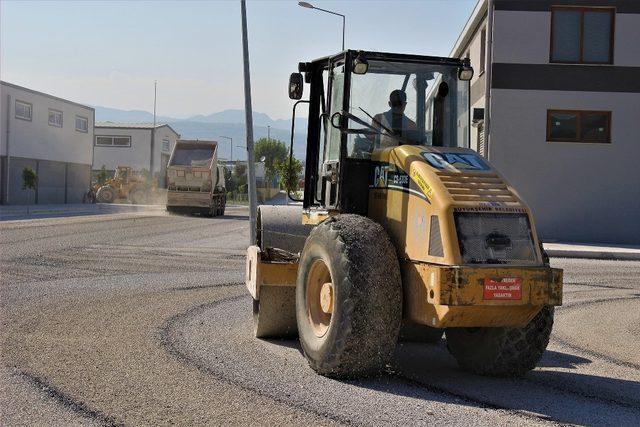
(322, 189)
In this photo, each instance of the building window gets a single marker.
(579, 126)
(82, 124)
(113, 141)
(483, 48)
(165, 145)
(23, 110)
(581, 35)
(55, 118)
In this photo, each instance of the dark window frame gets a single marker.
(86, 119)
(579, 114)
(582, 10)
(23, 103)
(95, 141)
(54, 112)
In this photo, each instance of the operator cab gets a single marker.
(361, 102)
(122, 174)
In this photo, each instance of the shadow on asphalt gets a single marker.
(195, 215)
(565, 388)
(554, 359)
(564, 396)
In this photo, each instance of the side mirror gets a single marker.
(296, 86)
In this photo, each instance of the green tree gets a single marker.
(102, 175)
(240, 174)
(29, 179)
(273, 151)
(289, 173)
(229, 180)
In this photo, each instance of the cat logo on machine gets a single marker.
(380, 174)
(388, 176)
(456, 161)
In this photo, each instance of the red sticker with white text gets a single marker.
(508, 288)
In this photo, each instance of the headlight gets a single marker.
(495, 238)
(465, 73)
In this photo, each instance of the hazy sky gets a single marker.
(109, 53)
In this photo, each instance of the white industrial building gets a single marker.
(140, 146)
(50, 135)
(556, 108)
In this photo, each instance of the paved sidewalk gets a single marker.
(582, 250)
(38, 211)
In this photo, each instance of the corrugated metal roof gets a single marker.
(129, 125)
(116, 125)
(45, 94)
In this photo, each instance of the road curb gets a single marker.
(76, 209)
(603, 255)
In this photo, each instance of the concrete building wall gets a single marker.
(138, 155)
(18, 196)
(524, 37)
(36, 138)
(580, 192)
(57, 182)
(51, 181)
(163, 133)
(51, 151)
(77, 175)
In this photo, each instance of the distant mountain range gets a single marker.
(224, 123)
(106, 114)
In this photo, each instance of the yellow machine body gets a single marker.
(125, 180)
(416, 193)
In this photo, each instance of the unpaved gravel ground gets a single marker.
(141, 319)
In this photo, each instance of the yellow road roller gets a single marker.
(403, 232)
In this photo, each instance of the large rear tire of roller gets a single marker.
(348, 297)
(274, 314)
(504, 352)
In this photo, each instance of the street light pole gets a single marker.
(230, 140)
(253, 205)
(310, 6)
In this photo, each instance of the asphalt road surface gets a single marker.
(142, 319)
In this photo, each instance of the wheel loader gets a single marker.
(403, 232)
(126, 184)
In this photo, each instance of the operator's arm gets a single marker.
(375, 123)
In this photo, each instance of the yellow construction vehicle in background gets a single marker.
(128, 184)
(401, 227)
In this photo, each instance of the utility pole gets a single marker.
(253, 206)
(153, 130)
(310, 6)
(231, 141)
(8, 164)
(269, 133)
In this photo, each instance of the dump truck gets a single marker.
(128, 184)
(195, 181)
(401, 228)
